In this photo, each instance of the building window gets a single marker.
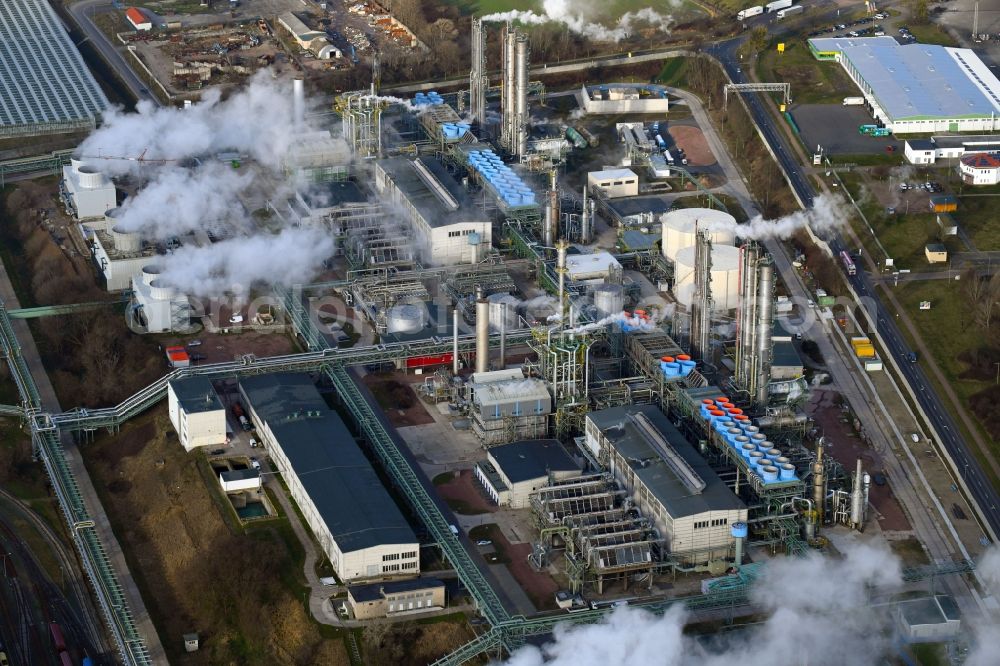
(700, 524)
(718, 522)
(409, 565)
(409, 555)
(390, 557)
(386, 568)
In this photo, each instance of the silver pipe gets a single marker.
(503, 336)
(561, 248)
(454, 347)
(482, 332)
(857, 519)
(765, 324)
(585, 219)
(298, 103)
(520, 138)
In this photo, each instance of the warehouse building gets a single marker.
(620, 98)
(46, 87)
(375, 600)
(918, 88)
(442, 216)
(930, 619)
(356, 522)
(512, 472)
(314, 41)
(86, 192)
(614, 182)
(138, 20)
(980, 169)
(669, 482)
(196, 412)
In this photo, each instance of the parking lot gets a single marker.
(835, 127)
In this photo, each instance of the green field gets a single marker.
(812, 81)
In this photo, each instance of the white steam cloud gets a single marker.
(819, 613)
(578, 18)
(827, 215)
(289, 257)
(185, 188)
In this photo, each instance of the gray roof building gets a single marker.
(662, 479)
(439, 199)
(239, 474)
(196, 394)
(375, 591)
(45, 87)
(531, 459)
(276, 397)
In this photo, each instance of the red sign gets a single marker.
(424, 361)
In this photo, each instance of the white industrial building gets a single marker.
(440, 212)
(918, 88)
(980, 169)
(355, 520)
(595, 267)
(929, 619)
(614, 183)
(156, 307)
(512, 472)
(314, 41)
(624, 98)
(86, 192)
(506, 406)
(947, 147)
(196, 412)
(119, 254)
(691, 508)
(239, 480)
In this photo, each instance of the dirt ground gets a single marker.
(218, 347)
(402, 409)
(196, 570)
(847, 448)
(464, 490)
(692, 141)
(538, 585)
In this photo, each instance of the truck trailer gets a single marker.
(854, 101)
(776, 5)
(749, 12)
(789, 11)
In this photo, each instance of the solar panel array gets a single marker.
(44, 84)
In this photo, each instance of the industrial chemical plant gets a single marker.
(602, 342)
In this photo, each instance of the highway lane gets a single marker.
(950, 436)
(82, 13)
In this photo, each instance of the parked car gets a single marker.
(483, 542)
(254, 463)
(236, 319)
(253, 443)
(194, 343)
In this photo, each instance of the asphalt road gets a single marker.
(943, 423)
(83, 12)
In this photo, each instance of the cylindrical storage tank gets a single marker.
(499, 313)
(773, 453)
(755, 457)
(739, 441)
(90, 178)
(160, 290)
(761, 463)
(751, 430)
(739, 530)
(734, 411)
(746, 450)
(742, 420)
(609, 299)
(724, 280)
(787, 471)
(678, 229)
(687, 367)
(781, 460)
(671, 369)
(125, 241)
(150, 273)
(731, 435)
(406, 318)
(769, 473)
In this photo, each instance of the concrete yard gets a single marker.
(835, 127)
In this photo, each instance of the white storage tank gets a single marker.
(406, 318)
(724, 280)
(609, 299)
(679, 228)
(497, 302)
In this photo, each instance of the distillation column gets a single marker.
(585, 220)
(551, 231)
(746, 330)
(520, 129)
(298, 103)
(478, 79)
(701, 302)
(507, 101)
(765, 327)
(561, 248)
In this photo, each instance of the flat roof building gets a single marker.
(196, 412)
(138, 20)
(398, 597)
(45, 87)
(918, 87)
(614, 182)
(238, 480)
(442, 216)
(670, 483)
(355, 520)
(513, 471)
(930, 619)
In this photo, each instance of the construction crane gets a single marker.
(141, 159)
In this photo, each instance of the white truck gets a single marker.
(776, 5)
(756, 10)
(789, 11)
(854, 101)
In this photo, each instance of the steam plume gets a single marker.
(827, 215)
(577, 19)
